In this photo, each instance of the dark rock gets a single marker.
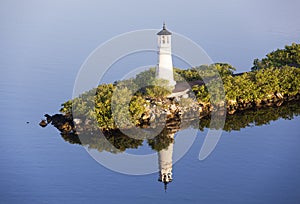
(48, 118)
(43, 123)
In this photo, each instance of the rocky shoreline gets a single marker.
(161, 111)
(273, 100)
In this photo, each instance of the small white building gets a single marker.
(164, 69)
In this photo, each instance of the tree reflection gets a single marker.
(255, 117)
(116, 142)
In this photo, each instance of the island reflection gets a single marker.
(117, 142)
(235, 122)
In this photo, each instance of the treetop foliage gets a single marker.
(289, 56)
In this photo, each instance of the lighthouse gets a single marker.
(164, 69)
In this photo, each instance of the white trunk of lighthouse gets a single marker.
(164, 69)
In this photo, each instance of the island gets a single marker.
(271, 81)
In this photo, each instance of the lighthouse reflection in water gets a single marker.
(163, 144)
(165, 163)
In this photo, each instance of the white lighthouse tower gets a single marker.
(165, 163)
(164, 69)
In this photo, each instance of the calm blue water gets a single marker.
(254, 165)
(41, 52)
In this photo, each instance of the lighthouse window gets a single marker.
(163, 40)
(167, 39)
